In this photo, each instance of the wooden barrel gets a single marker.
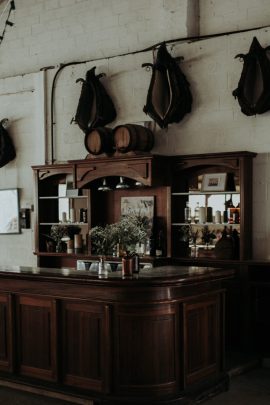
(99, 140)
(132, 137)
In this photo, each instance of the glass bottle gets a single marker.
(127, 265)
(102, 270)
(136, 263)
(159, 244)
(236, 214)
(187, 213)
(230, 211)
(226, 216)
(197, 213)
(147, 247)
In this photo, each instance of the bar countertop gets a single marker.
(151, 276)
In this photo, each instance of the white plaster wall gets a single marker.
(21, 102)
(232, 15)
(50, 32)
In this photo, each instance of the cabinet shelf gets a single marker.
(204, 224)
(206, 193)
(64, 223)
(63, 197)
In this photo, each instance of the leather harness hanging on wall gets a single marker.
(7, 150)
(95, 107)
(253, 91)
(169, 97)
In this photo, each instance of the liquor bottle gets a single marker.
(209, 214)
(102, 271)
(127, 265)
(152, 244)
(236, 214)
(197, 213)
(187, 213)
(160, 244)
(226, 213)
(230, 211)
(202, 216)
(136, 263)
(147, 247)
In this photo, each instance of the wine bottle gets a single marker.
(187, 213)
(160, 244)
(197, 213)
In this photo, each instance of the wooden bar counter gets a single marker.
(157, 338)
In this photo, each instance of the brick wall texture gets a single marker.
(112, 35)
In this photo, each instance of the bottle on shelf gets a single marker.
(152, 244)
(236, 244)
(136, 263)
(147, 247)
(236, 214)
(202, 215)
(127, 265)
(197, 213)
(102, 271)
(230, 211)
(159, 251)
(187, 213)
(72, 215)
(218, 217)
(209, 214)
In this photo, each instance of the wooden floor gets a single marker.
(249, 385)
(16, 394)
(250, 388)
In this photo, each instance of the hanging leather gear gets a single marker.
(95, 107)
(7, 150)
(253, 91)
(169, 97)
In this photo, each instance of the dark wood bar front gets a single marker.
(155, 338)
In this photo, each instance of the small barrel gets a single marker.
(99, 140)
(132, 137)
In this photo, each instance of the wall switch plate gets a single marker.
(25, 218)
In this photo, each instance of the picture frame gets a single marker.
(9, 211)
(214, 182)
(143, 206)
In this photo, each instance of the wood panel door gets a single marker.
(203, 337)
(6, 333)
(86, 345)
(146, 350)
(37, 337)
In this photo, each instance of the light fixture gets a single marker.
(138, 184)
(121, 184)
(104, 186)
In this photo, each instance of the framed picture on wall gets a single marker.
(141, 206)
(9, 211)
(214, 182)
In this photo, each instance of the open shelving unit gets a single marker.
(187, 174)
(172, 180)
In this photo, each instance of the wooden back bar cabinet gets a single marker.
(173, 181)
